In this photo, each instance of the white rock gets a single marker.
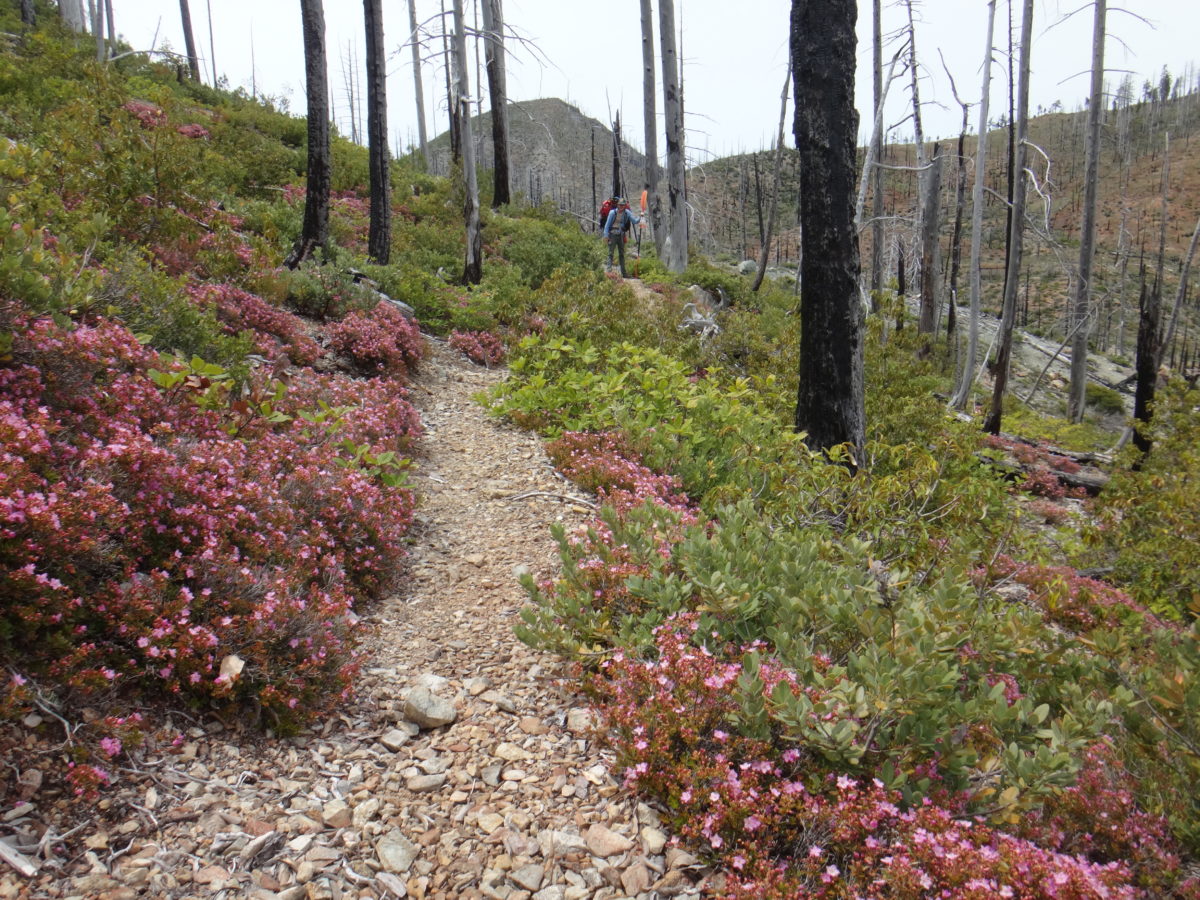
(653, 840)
(579, 719)
(555, 843)
(428, 710)
(510, 752)
(528, 877)
(395, 739)
(605, 842)
(396, 852)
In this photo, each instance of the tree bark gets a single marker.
(930, 246)
(676, 255)
(29, 17)
(379, 236)
(315, 231)
(493, 54)
(778, 166)
(1017, 232)
(473, 264)
(829, 403)
(1181, 293)
(968, 371)
(649, 113)
(448, 55)
(96, 8)
(71, 12)
(1081, 309)
(189, 40)
(616, 157)
(414, 39)
(110, 21)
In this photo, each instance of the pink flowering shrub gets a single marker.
(606, 464)
(141, 543)
(193, 131)
(1099, 818)
(1042, 465)
(240, 310)
(1070, 599)
(781, 823)
(480, 347)
(147, 114)
(380, 342)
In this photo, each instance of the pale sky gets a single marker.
(734, 51)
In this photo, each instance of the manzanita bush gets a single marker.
(480, 347)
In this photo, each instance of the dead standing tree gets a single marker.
(765, 251)
(414, 41)
(1016, 232)
(676, 255)
(649, 110)
(1081, 309)
(829, 401)
(493, 54)
(967, 378)
(473, 264)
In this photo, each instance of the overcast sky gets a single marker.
(734, 52)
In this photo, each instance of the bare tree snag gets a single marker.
(473, 265)
(967, 379)
(415, 42)
(649, 113)
(778, 168)
(1081, 309)
(193, 60)
(676, 255)
(1017, 232)
(493, 54)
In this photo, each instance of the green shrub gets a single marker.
(1104, 399)
(1146, 520)
(536, 247)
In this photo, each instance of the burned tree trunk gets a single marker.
(493, 54)
(829, 402)
(778, 168)
(379, 237)
(315, 231)
(189, 40)
(930, 247)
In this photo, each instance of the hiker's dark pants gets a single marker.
(617, 242)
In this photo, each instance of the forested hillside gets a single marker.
(944, 663)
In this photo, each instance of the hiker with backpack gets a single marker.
(620, 220)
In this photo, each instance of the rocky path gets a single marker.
(512, 799)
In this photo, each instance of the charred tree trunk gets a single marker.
(29, 17)
(1081, 309)
(649, 110)
(189, 40)
(616, 157)
(829, 402)
(968, 370)
(315, 230)
(676, 255)
(1147, 363)
(379, 237)
(473, 265)
(413, 37)
(1017, 233)
(493, 54)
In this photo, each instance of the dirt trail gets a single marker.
(513, 800)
